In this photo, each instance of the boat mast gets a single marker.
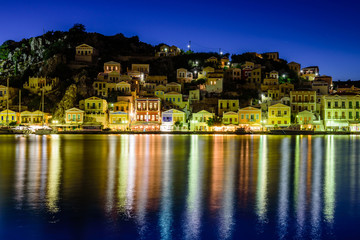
(20, 106)
(42, 107)
(7, 103)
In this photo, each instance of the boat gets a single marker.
(44, 131)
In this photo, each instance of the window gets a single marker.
(350, 104)
(242, 116)
(329, 104)
(350, 115)
(257, 116)
(285, 112)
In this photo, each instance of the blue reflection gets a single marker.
(283, 209)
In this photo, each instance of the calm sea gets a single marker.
(179, 187)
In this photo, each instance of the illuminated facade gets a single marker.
(198, 121)
(226, 105)
(173, 119)
(341, 112)
(119, 121)
(147, 114)
(176, 99)
(279, 115)
(34, 118)
(310, 73)
(7, 116)
(250, 118)
(96, 110)
(85, 53)
(301, 100)
(74, 116)
(184, 76)
(173, 87)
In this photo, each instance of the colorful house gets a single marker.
(173, 119)
(250, 118)
(74, 116)
(176, 99)
(199, 121)
(7, 116)
(226, 105)
(147, 114)
(279, 115)
(119, 121)
(230, 122)
(34, 118)
(96, 110)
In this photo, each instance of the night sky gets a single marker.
(311, 32)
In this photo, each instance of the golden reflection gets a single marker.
(54, 173)
(329, 186)
(261, 188)
(123, 171)
(111, 174)
(194, 198)
(34, 172)
(217, 172)
(20, 171)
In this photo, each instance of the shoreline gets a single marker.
(185, 133)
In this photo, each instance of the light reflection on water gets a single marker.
(179, 186)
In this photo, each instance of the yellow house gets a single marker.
(199, 121)
(3, 94)
(7, 116)
(255, 76)
(341, 112)
(285, 89)
(230, 122)
(160, 94)
(183, 75)
(173, 87)
(271, 81)
(96, 110)
(143, 68)
(250, 118)
(74, 116)
(157, 79)
(119, 121)
(203, 73)
(85, 53)
(279, 115)
(123, 106)
(34, 118)
(226, 105)
(170, 118)
(175, 98)
(37, 84)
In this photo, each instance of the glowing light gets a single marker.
(261, 188)
(54, 177)
(329, 185)
(194, 197)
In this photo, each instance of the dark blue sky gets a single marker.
(311, 32)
